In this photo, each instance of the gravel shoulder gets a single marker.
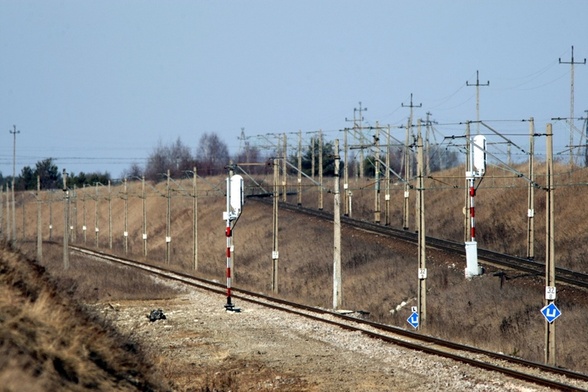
(199, 345)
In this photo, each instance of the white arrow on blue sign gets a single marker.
(550, 312)
(414, 320)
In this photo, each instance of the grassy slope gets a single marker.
(49, 343)
(378, 274)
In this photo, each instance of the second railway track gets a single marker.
(502, 260)
(537, 373)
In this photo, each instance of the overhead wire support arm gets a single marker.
(478, 85)
(572, 63)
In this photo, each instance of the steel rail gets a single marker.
(563, 275)
(313, 313)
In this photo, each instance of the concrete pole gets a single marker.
(13, 214)
(416, 206)
(406, 208)
(126, 232)
(144, 198)
(377, 207)
(550, 291)
(320, 164)
(195, 217)
(337, 300)
(531, 194)
(74, 219)
(387, 196)
(96, 228)
(39, 225)
(422, 271)
(50, 217)
(275, 251)
(285, 169)
(84, 227)
(312, 157)
(299, 196)
(168, 221)
(466, 210)
(66, 222)
(346, 174)
(109, 217)
(2, 213)
(8, 231)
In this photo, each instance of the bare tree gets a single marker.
(212, 155)
(175, 157)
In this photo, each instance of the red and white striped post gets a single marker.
(235, 199)
(472, 211)
(229, 233)
(476, 169)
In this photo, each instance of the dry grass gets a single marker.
(49, 343)
(378, 274)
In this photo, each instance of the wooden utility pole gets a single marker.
(572, 63)
(275, 251)
(478, 85)
(422, 258)
(337, 300)
(550, 291)
(531, 194)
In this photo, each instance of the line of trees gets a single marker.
(210, 158)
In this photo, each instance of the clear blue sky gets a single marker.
(97, 84)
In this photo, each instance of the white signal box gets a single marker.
(237, 194)
(479, 155)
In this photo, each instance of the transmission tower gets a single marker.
(478, 85)
(572, 63)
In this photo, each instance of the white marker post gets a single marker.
(235, 200)
(477, 166)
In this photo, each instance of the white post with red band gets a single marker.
(477, 168)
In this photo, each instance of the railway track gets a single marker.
(501, 260)
(518, 368)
